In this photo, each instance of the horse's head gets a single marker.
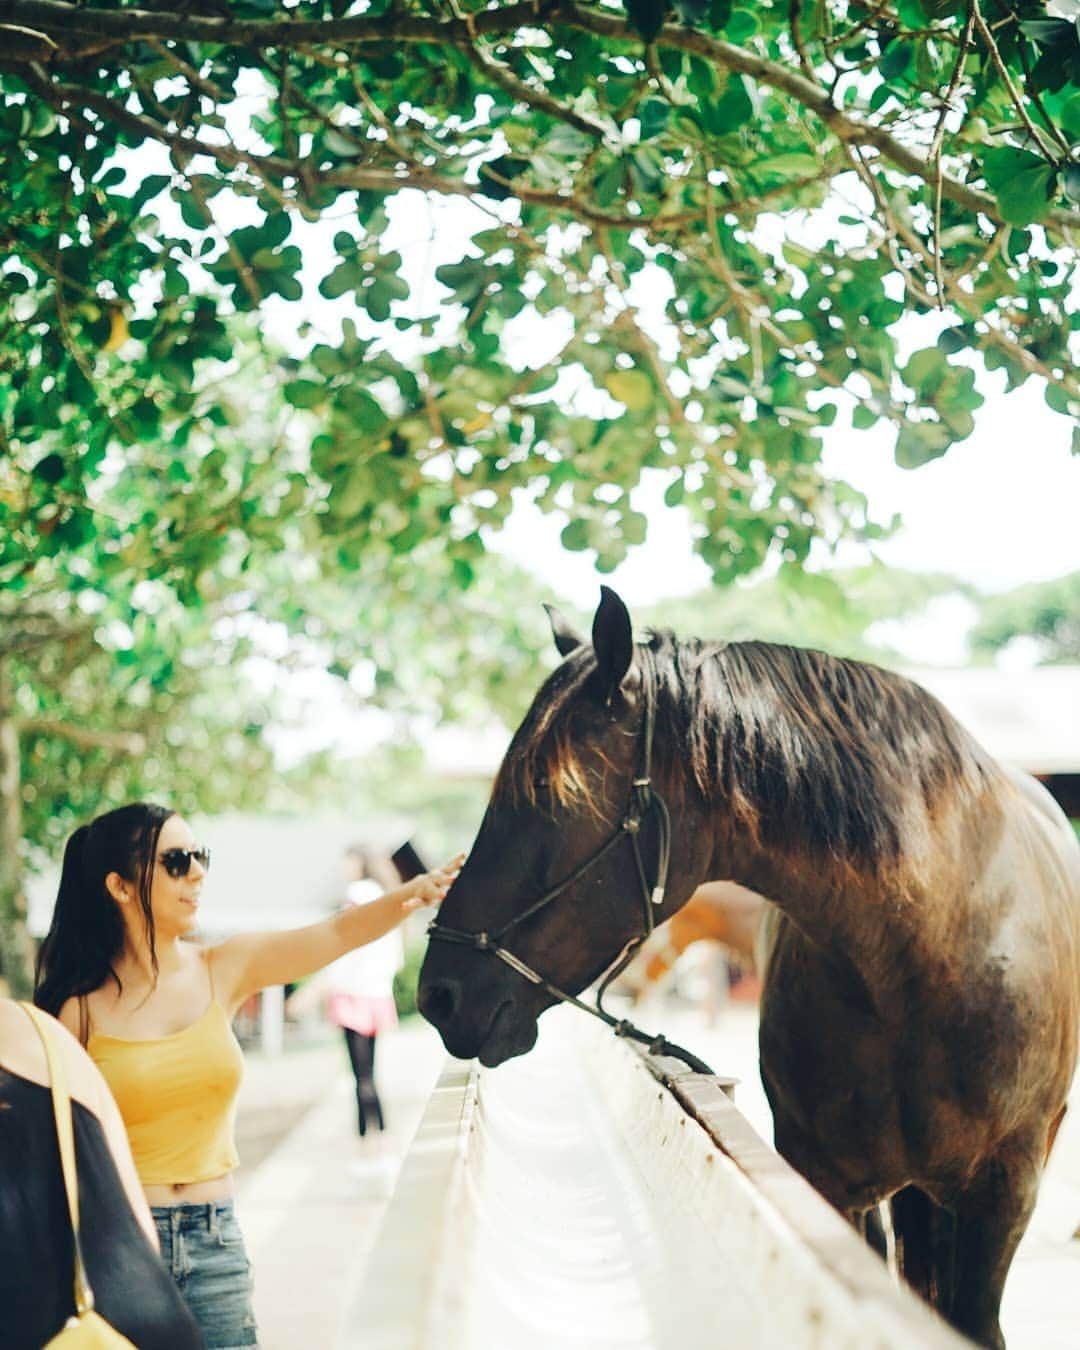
(553, 879)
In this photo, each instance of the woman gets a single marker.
(360, 986)
(154, 1012)
(132, 1289)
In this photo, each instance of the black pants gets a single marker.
(362, 1059)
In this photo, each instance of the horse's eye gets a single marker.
(542, 783)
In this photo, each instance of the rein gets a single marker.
(643, 799)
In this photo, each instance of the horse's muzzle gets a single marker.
(491, 1030)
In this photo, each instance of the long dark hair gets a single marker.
(87, 933)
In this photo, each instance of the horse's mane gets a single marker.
(797, 746)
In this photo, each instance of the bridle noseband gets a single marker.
(643, 799)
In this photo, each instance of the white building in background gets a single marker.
(1028, 718)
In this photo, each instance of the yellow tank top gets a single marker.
(177, 1095)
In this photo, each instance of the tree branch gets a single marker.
(127, 742)
(60, 20)
(33, 631)
(645, 344)
(987, 36)
(938, 142)
(539, 100)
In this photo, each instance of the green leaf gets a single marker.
(506, 166)
(1068, 116)
(955, 339)
(365, 412)
(1048, 32)
(346, 277)
(192, 212)
(733, 109)
(50, 469)
(632, 388)
(647, 171)
(377, 299)
(719, 15)
(1021, 182)
(464, 573)
(343, 145)
(305, 394)
(921, 442)
(792, 165)
(646, 16)
(896, 60)
(575, 536)
(653, 114)
(742, 25)
(608, 182)
(634, 527)
(925, 370)
(467, 279)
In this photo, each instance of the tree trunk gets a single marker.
(16, 946)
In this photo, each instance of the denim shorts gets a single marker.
(203, 1248)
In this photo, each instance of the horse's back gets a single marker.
(1044, 808)
(1048, 862)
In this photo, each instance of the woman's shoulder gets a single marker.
(22, 1052)
(72, 1015)
(79, 1013)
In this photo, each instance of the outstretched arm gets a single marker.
(245, 964)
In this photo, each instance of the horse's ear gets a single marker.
(567, 638)
(613, 641)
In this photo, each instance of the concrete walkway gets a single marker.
(311, 1208)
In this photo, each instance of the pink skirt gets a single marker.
(362, 1013)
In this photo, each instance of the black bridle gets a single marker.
(643, 799)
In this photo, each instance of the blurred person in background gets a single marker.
(360, 985)
(357, 990)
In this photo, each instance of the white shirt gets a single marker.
(368, 971)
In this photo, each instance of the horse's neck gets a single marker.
(839, 910)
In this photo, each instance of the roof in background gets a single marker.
(1027, 718)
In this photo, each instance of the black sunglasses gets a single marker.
(177, 861)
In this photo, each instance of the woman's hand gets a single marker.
(430, 888)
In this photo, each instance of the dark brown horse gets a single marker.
(919, 1017)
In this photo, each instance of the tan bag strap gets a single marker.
(65, 1134)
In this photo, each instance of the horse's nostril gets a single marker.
(438, 1001)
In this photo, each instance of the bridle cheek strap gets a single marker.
(643, 799)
